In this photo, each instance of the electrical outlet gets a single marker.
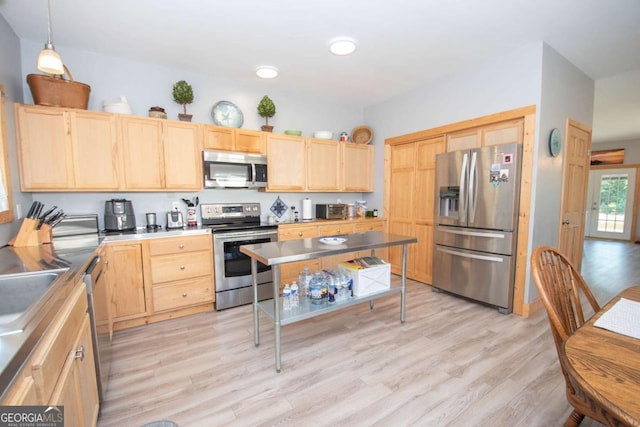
(18, 211)
(175, 206)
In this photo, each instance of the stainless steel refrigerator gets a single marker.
(476, 217)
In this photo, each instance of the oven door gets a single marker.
(232, 267)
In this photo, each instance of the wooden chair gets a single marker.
(561, 288)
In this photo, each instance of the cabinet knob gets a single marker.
(181, 246)
(184, 295)
(79, 353)
(300, 234)
(182, 267)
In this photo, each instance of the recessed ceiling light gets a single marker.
(267, 72)
(342, 46)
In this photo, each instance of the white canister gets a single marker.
(306, 209)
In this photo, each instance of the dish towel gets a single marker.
(623, 317)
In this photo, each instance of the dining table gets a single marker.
(605, 365)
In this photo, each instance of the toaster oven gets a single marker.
(331, 211)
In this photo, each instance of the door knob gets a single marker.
(566, 222)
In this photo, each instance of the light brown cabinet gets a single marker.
(357, 167)
(160, 155)
(411, 206)
(76, 150)
(61, 369)
(298, 164)
(323, 165)
(286, 163)
(126, 281)
(233, 139)
(66, 150)
(181, 271)
(506, 132)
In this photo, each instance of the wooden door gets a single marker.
(182, 158)
(357, 167)
(217, 138)
(285, 162)
(249, 141)
(401, 199)
(575, 180)
(95, 150)
(44, 150)
(424, 207)
(323, 165)
(142, 153)
(125, 278)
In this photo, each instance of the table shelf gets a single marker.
(307, 310)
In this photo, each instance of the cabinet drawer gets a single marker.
(362, 227)
(292, 233)
(332, 230)
(176, 245)
(50, 356)
(179, 294)
(166, 268)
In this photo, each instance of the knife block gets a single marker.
(27, 234)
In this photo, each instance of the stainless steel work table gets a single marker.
(276, 253)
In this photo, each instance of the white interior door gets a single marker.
(610, 203)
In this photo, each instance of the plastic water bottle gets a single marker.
(304, 278)
(286, 298)
(294, 295)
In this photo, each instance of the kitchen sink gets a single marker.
(21, 297)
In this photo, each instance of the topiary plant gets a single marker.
(266, 108)
(183, 94)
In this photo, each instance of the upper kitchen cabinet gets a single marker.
(66, 150)
(160, 154)
(506, 132)
(286, 163)
(298, 164)
(357, 167)
(324, 169)
(233, 139)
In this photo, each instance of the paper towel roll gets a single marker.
(306, 209)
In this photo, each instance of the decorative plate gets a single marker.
(279, 207)
(332, 240)
(225, 113)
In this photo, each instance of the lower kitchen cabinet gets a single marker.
(126, 280)
(181, 271)
(61, 369)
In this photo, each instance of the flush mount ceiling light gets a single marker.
(267, 72)
(49, 61)
(342, 46)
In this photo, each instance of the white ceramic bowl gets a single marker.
(323, 134)
(117, 107)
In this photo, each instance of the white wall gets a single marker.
(12, 81)
(566, 93)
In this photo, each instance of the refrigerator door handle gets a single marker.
(473, 187)
(472, 256)
(472, 233)
(463, 189)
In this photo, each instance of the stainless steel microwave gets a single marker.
(227, 169)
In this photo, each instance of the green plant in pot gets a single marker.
(266, 109)
(183, 94)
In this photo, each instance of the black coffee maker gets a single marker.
(118, 215)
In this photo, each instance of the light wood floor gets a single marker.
(453, 363)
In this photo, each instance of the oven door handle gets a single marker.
(250, 234)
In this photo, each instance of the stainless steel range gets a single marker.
(234, 225)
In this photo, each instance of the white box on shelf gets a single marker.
(369, 280)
